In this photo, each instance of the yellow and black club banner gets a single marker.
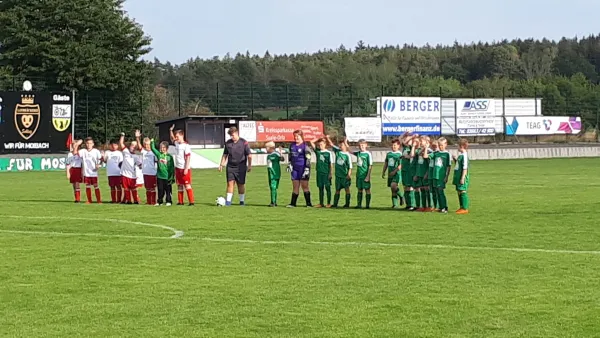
(35, 122)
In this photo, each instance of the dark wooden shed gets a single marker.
(206, 131)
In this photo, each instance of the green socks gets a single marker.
(425, 199)
(434, 197)
(368, 200)
(359, 197)
(336, 200)
(417, 198)
(411, 196)
(395, 200)
(321, 195)
(328, 190)
(463, 198)
(347, 201)
(273, 196)
(442, 199)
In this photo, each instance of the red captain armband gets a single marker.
(245, 143)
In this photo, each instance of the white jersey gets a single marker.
(130, 162)
(74, 161)
(113, 159)
(90, 159)
(182, 151)
(148, 162)
(139, 180)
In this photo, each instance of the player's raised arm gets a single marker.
(153, 148)
(329, 142)
(138, 138)
(122, 141)
(171, 135)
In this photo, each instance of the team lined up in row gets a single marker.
(421, 165)
(130, 167)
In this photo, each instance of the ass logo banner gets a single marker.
(61, 116)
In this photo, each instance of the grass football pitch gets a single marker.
(524, 263)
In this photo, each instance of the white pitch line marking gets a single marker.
(179, 234)
(176, 233)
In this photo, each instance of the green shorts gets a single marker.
(461, 187)
(323, 180)
(440, 184)
(273, 184)
(342, 183)
(361, 184)
(393, 179)
(407, 179)
(418, 183)
(425, 182)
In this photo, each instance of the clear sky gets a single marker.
(184, 29)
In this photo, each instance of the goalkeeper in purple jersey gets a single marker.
(299, 168)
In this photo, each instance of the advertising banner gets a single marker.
(247, 130)
(367, 128)
(282, 131)
(542, 125)
(475, 117)
(421, 115)
(35, 122)
(33, 164)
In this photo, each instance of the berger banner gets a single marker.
(35, 122)
(542, 125)
(475, 117)
(419, 115)
(363, 128)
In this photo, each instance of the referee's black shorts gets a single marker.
(237, 174)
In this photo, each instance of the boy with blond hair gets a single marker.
(441, 172)
(274, 159)
(325, 161)
(461, 177)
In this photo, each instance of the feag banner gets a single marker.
(32, 164)
(35, 122)
(420, 115)
(279, 131)
(366, 128)
(475, 117)
(542, 125)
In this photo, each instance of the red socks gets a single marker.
(88, 194)
(136, 198)
(190, 195)
(98, 197)
(77, 194)
(180, 196)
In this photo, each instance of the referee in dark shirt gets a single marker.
(238, 158)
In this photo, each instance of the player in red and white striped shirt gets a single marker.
(148, 167)
(128, 173)
(91, 159)
(74, 174)
(183, 174)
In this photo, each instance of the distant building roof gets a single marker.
(202, 117)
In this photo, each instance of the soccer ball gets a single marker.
(220, 201)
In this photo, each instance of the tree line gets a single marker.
(94, 48)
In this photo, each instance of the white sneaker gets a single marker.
(157, 205)
(168, 204)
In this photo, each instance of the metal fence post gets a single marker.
(179, 97)
(351, 101)
(105, 118)
(319, 103)
(141, 111)
(252, 100)
(87, 115)
(287, 102)
(218, 105)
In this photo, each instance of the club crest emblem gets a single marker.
(27, 116)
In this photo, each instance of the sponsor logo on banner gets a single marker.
(542, 125)
(366, 128)
(420, 115)
(283, 131)
(475, 117)
(27, 116)
(61, 116)
(248, 130)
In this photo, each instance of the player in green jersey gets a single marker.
(434, 205)
(325, 160)
(415, 153)
(422, 167)
(343, 171)
(364, 164)
(407, 178)
(461, 177)
(274, 159)
(392, 166)
(441, 171)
